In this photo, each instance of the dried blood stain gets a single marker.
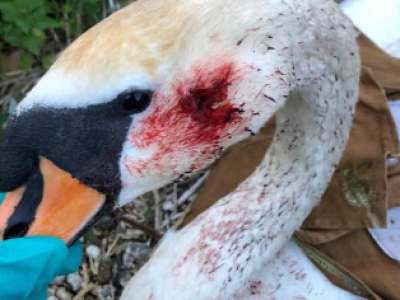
(191, 119)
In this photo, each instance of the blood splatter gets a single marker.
(207, 102)
(192, 117)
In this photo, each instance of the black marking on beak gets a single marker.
(24, 214)
(106, 208)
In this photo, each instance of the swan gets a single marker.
(158, 91)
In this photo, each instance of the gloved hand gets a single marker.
(2, 196)
(29, 264)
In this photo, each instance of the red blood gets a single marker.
(206, 102)
(194, 115)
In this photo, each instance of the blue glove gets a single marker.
(2, 196)
(29, 264)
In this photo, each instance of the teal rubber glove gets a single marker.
(2, 196)
(29, 264)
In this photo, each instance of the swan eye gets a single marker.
(135, 102)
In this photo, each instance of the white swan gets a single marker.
(214, 71)
(230, 247)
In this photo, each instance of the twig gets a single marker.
(56, 39)
(20, 79)
(84, 291)
(104, 9)
(175, 197)
(78, 15)
(113, 5)
(85, 274)
(189, 192)
(157, 210)
(29, 85)
(14, 73)
(87, 285)
(168, 223)
(66, 27)
(111, 248)
(128, 219)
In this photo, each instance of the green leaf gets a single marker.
(90, 236)
(26, 61)
(74, 27)
(67, 8)
(93, 2)
(5, 29)
(10, 11)
(38, 33)
(48, 60)
(8, 7)
(46, 8)
(28, 5)
(46, 22)
(32, 44)
(14, 37)
(24, 24)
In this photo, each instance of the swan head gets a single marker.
(153, 93)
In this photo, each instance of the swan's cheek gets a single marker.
(175, 148)
(188, 127)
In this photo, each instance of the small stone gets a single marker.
(136, 252)
(52, 298)
(95, 291)
(107, 292)
(128, 259)
(63, 294)
(75, 281)
(51, 291)
(132, 234)
(121, 228)
(123, 277)
(93, 251)
(168, 206)
(59, 280)
(115, 269)
(104, 223)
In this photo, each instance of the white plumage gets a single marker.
(219, 70)
(307, 67)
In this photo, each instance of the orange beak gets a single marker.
(66, 209)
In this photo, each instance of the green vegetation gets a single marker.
(24, 25)
(39, 29)
(32, 33)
